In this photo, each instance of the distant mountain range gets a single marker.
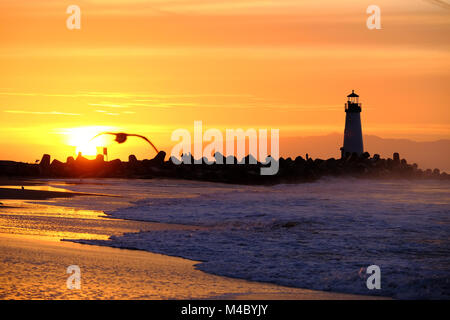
(428, 154)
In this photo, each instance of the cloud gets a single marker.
(139, 96)
(58, 113)
(107, 112)
(440, 3)
(108, 105)
(132, 104)
(164, 7)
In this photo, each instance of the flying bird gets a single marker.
(121, 137)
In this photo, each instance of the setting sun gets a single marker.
(81, 138)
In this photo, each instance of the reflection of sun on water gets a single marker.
(81, 139)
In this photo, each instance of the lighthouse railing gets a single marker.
(352, 105)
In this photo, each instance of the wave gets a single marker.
(317, 235)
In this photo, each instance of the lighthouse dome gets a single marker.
(352, 95)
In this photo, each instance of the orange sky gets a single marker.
(150, 67)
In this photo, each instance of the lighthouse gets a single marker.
(353, 141)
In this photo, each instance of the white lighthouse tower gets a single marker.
(353, 141)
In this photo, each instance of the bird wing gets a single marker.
(113, 133)
(142, 137)
(134, 135)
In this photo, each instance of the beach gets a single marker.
(35, 268)
(33, 259)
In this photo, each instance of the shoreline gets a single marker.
(34, 267)
(24, 194)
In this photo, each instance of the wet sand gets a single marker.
(33, 266)
(19, 194)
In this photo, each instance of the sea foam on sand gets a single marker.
(320, 235)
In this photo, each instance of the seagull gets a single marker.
(121, 137)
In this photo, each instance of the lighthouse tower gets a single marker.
(353, 141)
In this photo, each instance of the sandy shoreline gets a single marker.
(34, 267)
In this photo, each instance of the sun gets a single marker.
(81, 139)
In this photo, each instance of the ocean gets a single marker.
(321, 235)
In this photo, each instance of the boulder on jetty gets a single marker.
(132, 159)
(45, 161)
(44, 164)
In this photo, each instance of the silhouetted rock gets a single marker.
(187, 158)
(57, 168)
(299, 160)
(159, 158)
(44, 165)
(45, 161)
(19, 169)
(132, 159)
(80, 157)
(219, 158)
(396, 157)
(115, 168)
(231, 160)
(249, 159)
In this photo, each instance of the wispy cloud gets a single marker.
(108, 105)
(58, 113)
(133, 104)
(107, 112)
(440, 3)
(139, 96)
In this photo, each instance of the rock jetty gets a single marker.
(290, 170)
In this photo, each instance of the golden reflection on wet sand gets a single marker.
(32, 218)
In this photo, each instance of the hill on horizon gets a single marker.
(427, 154)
